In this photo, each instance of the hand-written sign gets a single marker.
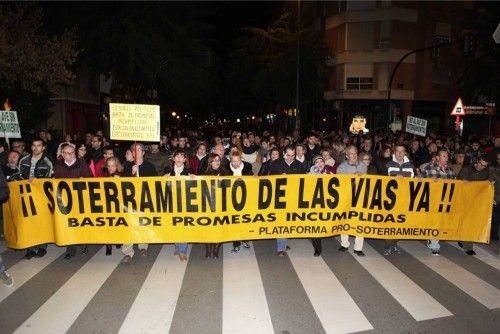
(136, 122)
(9, 124)
(416, 126)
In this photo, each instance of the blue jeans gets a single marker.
(434, 245)
(2, 267)
(181, 248)
(281, 244)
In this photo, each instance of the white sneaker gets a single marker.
(7, 279)
(245, 244)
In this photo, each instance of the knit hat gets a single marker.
(316, 158)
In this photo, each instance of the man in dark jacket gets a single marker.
(237, 167)
(478, 171)
(286, 165)
(71, 168)
(4, 195)
(34, 166)
(141, 168)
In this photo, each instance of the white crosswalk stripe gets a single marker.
(24, 270)
(160, 291)
(413, 298)
(244, 305)
(469, 283)
(336, 310)
(61, 310)
(245, 301)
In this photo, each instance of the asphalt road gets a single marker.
(255, 291)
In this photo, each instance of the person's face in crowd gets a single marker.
(219, 150)
(100, 133)
(13, 158)
(481, 165)
(289, 155)
(439, 143)
(299, 151)
(174, 142)
(326, 155)
(246, 142)
(179, 160)
(202, 150)
(155, 148)
(274, 155)
(497, 142)
(433, 147)
(215, 164)
(19, 147)
(111, 167)
(428, 140)
(295, 134)
(457, 146)
(138, 153)
(311, 140)
(82, 150)
(460, 158)
(265, 145)
(182, 142)
(68, 138)
(442, 158)
(345, 140)
(366, 160)
(352, 156)
(367, 144)
(399, 153)
(88, 138)
(272, 139)
(387, 153)
(37, 148)
(320, 163)
(129, 156)
(475, 146)
(498, 159)
(415, 145)
(108, 154)
(96, 144)
(68, 154)
(251, 138)
(257, 141)
(163, 140)
(235, 161)
(43, 135)
(286, 141)
(217, 140)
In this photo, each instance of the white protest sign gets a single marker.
(9, 124)
(416, 126)
(135, 122)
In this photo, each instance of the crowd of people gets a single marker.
(250, 153)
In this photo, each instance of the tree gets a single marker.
(264, 66)
(33, 65)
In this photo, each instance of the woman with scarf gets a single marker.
(179, 168)
(214, 168)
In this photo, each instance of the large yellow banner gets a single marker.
(217, 209)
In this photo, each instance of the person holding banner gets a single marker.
(33, 166)
(141, 168)
(71, 168)
(214, 168)
(400, 166)
(178, 169)
(113, 168)
(478, 171)
(438, 169)
(319, 167)
(286, 165)
(238, 167)
(352, 166)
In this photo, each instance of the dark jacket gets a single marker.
(170, 171)
(311, 153)
(265, 167)
(279, 166)
(43, 167)
(145, 169)
(75, 171)
(4, 188)
(224, 162)
(470, 173)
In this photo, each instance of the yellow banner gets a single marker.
(134, 122)
(218, 209)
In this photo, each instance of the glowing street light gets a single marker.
(174, 113)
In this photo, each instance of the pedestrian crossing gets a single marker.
(254, 291)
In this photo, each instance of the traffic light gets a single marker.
(468, 44)
(435, 51)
